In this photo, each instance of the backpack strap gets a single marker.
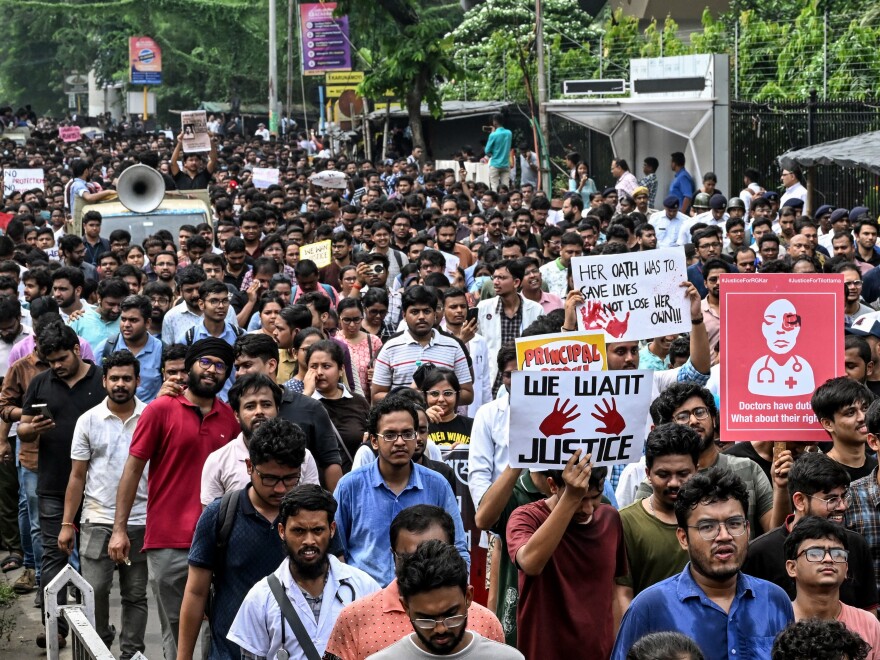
(223, 527)
(113, 340)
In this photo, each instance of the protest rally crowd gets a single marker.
(308, 462)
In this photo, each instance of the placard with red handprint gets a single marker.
(552, 414)
(633, 296)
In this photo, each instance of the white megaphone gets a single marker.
(140, 188)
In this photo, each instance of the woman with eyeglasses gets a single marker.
(302, 381)
(363, 346)
(347, 410)
(441, 388)
(375, 303)
(347, 280)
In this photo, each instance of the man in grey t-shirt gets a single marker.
(434, 591)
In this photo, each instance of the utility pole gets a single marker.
(290, 62)
(544, 147)
(273, 69)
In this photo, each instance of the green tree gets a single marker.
(407, 50)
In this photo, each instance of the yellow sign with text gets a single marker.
(320, 253)
(568, 351)
(349, 78)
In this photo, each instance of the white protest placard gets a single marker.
(633, 296)
(69, 133)
(320, 253)
(452, 262)
(266, 176)
(22, 180)
(196, 138)
(555, 413)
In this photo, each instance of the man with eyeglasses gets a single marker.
(260, 467)
(175, 434)
(214, 303)
(793, 187)
(853, 307)
(694, 406)
(369, 497)
(378, 621)
(437, 597)
(728, 613)
(817, 555)
(819, 488)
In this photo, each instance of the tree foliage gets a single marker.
(212, 49)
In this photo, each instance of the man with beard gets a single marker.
(311, 584)
(646, 237)
(378, 621)
(817, 558)
(437, 597)
(729, 614)
(175, 434)
(691, 405)
(94, 476)
(68, 388)
(272, 467)
(97, 324)
(133, 337)
(652, 549)
(550, 541)
(67, 286)
(160, 296)
(73, 253)
(255, 399)
(447, 227)
(819, 487)
(165, 268)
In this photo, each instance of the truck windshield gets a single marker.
(142, 225)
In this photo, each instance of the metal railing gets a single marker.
(85, 642)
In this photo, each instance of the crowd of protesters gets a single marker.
(261, 441)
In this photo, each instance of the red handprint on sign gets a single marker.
(595, 316)
(610, 418)
(554, 424)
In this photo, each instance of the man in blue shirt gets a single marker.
(682, 185)
(729, 614)
(370, 497)
(498, 150)
(133, 336)
(96, 325)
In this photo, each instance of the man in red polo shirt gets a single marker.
(175, 434)
(377, 621)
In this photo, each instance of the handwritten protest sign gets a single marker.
(69, 133)
(633, 296)
(554, 414)
(195, 131)
(771, 329)
(319, 252)
(266, 176)
(452, 262)
(575, 351)
(22, 180)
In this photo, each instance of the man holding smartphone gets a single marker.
(69, 388)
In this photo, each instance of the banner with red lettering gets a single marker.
(573, 351)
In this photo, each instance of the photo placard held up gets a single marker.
(781, 338)
(572, 351)
(196, 138)
(633, 296)
(552, 415)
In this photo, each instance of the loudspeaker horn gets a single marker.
(140, 188)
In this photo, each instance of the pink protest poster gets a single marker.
(781, 338)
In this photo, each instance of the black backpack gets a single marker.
(191, 333)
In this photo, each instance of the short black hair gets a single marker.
(122, 358)
(812, 639)
(433, 565)
(113, 287)
(57, 337)
(278, 440)
(862, 346)
(73, 275)
(418, 295)
(597, 478)
(665, 645)
(714, 485)
(813, 472)
(138, 302)
(677, 393)
(251, 383)
(305, 497)
(812, 528)
(387, 406)
(256, 345)
(173, 352)
(420, 518)
(507, 353)
(10, 308)
(836, 393)
(671, 439)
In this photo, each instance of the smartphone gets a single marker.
(461, 164)
(36, 409)
(472, 314)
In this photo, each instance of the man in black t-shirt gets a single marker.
(840, 405)
(818, 486)
(192, 176)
